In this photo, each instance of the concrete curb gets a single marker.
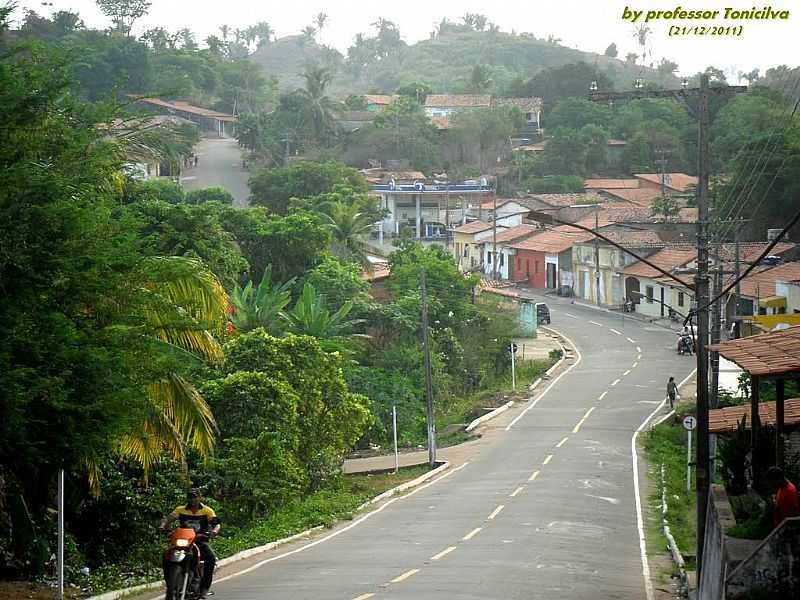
(490, 415)
(116, 594)
(535, 384)
(406, 486)
(677, 557)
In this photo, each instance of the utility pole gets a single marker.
(701, 293)
(426, 354)
(716, 333)
(738, 268)
(494, 237)
(596, 260)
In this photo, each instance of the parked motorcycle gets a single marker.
(183, 564)
(685, 345)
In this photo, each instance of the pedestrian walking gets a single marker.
(195, 160)
(672, 392)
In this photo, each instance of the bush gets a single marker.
(210, 194)
(155, 189)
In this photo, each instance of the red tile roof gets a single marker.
(635, 239)
(379, 272)
(773, 353)
(554, 241)
(635, 195)
(513, 234)
(680, 182)
(761, 283)
(668, 259)
(500, 202)
(562, 200)
(187, 108)
(458, 100)
(611, 184)
(473, 227)
(618, 212)
(726, 420)
(382, 99)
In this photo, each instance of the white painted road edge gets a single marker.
(555, 381)
(648, 584)
(116, 594)
(490, 415)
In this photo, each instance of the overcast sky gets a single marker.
(589, 25)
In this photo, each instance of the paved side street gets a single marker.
(219, 164)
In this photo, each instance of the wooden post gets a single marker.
(779, 416)
(755, 424)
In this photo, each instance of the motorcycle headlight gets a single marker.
(181, 543)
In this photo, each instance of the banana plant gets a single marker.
(260, 306)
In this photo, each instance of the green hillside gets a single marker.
(444, 62)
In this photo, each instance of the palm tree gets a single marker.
(260, 306)
(310, 316)
(641, 33)
(183, 305)
(319, 108)
(225, 30)
(320, 20)
(349, 225)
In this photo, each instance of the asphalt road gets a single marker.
(219, 165)
(545, 511)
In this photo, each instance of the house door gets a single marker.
(551, 276)
(632, 290)
(662, 301)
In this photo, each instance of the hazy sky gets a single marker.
(586, 24)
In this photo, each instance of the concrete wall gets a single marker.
(734, 569)
(773, 568)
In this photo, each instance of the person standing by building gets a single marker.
(786, 500)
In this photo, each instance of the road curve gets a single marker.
(546, 511)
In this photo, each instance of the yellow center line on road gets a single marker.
(471, 534)
(533, 476)
(615, 331)
(404, 576)
(516, 491)
(639, 357)
(634, 365)
(496, 512)
(547, 459)
(639, 350)
(615, 382)
(631, 341)
(586, 416)
(603, 395)
(562, 442)
(444, 552)
(363, 596)
(626, 373)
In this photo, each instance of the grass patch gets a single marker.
(338, 500)
(666, 444)
(466, 409)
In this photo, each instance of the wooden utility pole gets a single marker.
(426, 355)
(596, 261)
(701, 294)
(716, 332)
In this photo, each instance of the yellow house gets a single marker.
(466, 243)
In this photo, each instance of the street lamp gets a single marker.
(684, 83)
(638, 84)
(593, 86)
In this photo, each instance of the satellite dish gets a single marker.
(419, 186)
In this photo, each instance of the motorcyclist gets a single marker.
(196, 515)
(686, 339)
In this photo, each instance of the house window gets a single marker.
(466, 250)
(680, 298)
(502, 259)
(488, 257)
(649, 290)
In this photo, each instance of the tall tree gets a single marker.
(124, 13)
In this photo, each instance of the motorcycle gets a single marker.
(183, 564)
(685, 345)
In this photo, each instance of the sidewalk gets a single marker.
(533, 349)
